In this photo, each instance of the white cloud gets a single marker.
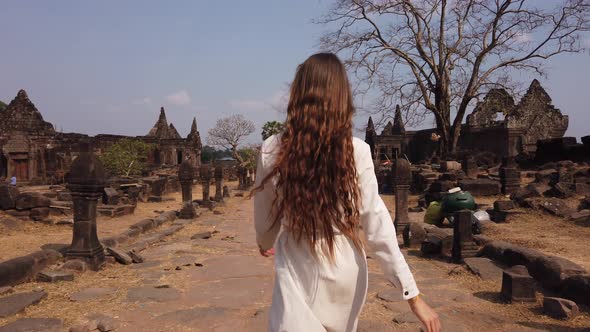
(179, 98)
(276, 102)
(524, 37)
(143, 101)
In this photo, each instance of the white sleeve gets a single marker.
(380, 231)
(266, 233)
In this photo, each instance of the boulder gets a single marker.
(8, 195)
(560, 308)
(480, 187)
(27, 201)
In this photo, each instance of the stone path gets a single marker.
(221, 284)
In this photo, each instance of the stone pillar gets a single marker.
(218, 183)
(470, 167)
(205, 173)
(226, 192)
(186, 174)
(86, 183)
(509, 176)
(402, 177)
(463, 244)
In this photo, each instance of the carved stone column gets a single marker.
(205, 173)
(186, 174)
(463, 244)
(509, 176)
(218, 183)
(402, 178)
(86, 183)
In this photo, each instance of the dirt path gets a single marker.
(232, 289)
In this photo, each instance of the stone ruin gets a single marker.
(36, 153)
(517, 131)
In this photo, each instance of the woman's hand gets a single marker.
(425, 314)
(267, 253)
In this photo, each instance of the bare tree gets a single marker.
(438, 56)
(229, 132)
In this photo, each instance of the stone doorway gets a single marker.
(3, 166)
(21, 169)
(179, 157)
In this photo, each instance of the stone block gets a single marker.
(55, 276)
(13, 304)
(582, 188)
(111, 196)
(144, 225)
(34, 325)
(135, 257)
(582, 216)
(24, 214)
(447, 166)
(27, 201)
(431, 246)
(480, 187)
(556, 207)
(551, 271)
(504, 205)
(560, 308)
(120, 256)
(560, 190)
(577, 288)
(518, 286)
(413, 234)
(64, 196)
(39, 214)
(8, 195)
(484, 268)
(532, 190)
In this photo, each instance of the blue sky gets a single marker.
(107, 66)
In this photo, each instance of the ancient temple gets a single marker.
(33, 151)
(497, 125)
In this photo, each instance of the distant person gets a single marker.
(13, 181)
(315, 188)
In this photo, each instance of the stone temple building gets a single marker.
(35, 152)
(497, 125)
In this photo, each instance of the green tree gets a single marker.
(249, 156)
(126, 157)
(2, 105)
(271, 128)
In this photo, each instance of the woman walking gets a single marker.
(315, 192)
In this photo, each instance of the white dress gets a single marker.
(312, 294)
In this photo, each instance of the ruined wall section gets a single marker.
(536, 115)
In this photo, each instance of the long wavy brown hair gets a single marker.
(315, 168)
